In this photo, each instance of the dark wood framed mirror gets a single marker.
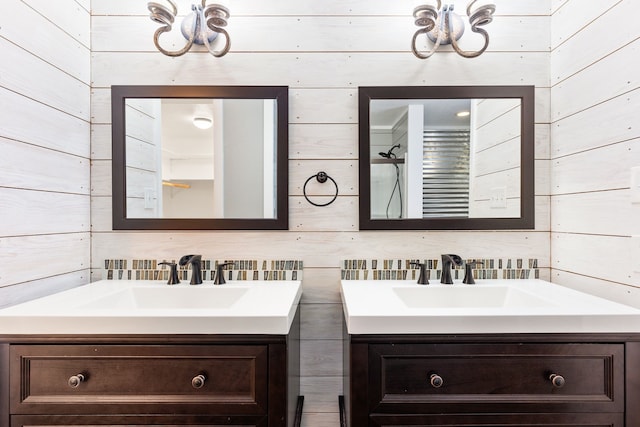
(200, 157)
(446, 158)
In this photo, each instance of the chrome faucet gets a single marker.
(196, 267)
(447, 261)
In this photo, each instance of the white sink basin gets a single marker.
(468, 297)
(490, 306)
(152, 307)
(168, 298)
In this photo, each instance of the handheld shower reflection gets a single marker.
(392, 156)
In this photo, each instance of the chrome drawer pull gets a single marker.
(557, 380)
(436, 381)
(75, 380)
(198, 381)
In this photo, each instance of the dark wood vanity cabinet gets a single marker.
(150, 380)
(507, 380)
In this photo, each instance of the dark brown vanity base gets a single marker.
(489, 380)
(248, 380)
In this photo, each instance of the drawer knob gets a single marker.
(557, 380)
(75, 380)
(436, 381)
(198, 381)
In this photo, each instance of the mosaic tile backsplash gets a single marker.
(149, 269)
(401, 269)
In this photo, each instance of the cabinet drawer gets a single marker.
(137, 420)
(83, 379)
(492, 377)
(493, 420)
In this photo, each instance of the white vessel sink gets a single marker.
(489, 306)
(152, 307)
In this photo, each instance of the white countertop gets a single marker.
(489, 306)
(153, 307)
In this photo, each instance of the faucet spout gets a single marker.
(448, 260)
(196, 267)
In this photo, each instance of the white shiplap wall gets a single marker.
(595, 140)
(323, 51)
(45, 146)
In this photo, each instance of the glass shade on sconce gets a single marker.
(202, 122)
(202, 26)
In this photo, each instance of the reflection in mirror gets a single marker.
(200, 158)
(446, 158)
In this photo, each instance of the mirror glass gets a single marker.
(446, 157)
(199, 157)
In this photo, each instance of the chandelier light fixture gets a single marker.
(443, 26)
(202, 26)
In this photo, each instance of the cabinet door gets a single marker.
(135, 379)
(503, 420)
(136, 420)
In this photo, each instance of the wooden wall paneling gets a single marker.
(326, 249)
(611, 76)
(101, 142)
(341, 215)
(86, 4)
(22, 292)
(101, 221)
(542, 137)
(100, 105)
(327, 7)
(557, 4)
(336, 70)
(323, 141)
(45, 39)
(323, 105)
(573, 16)
(605, 168)
(570, 135)
(597, 256)
(58, 90)
(42, 169)
(42, 212)
(100, 178)
(47, 255)
(582, 281)
(24, 119)
(343, 172)
(501, 157)
(587, 46)
(321, 358)
(321, 419)
(321, 322)
(72, 17)
(321, 394)
(543, 213)
(321, 285)
(600, 212)
(316, 33)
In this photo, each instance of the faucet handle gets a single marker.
(468, 272)
(173, 274)
(422, 279)
(219, 279)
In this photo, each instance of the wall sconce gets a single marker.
(202, 26)
(443, 26)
